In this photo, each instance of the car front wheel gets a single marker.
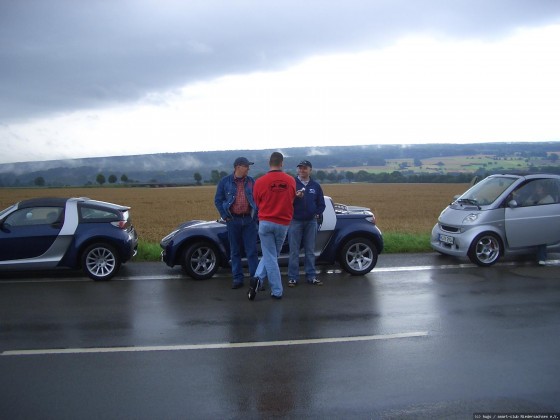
(358, 256)
(485, 250)
(200, 261)
(100, 262)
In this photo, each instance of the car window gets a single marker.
(537, 192)
(34, 216)
(97, 214)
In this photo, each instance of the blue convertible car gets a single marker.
(348, 235)
(47, 233)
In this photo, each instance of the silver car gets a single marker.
(502, 214)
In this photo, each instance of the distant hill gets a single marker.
(180, 168)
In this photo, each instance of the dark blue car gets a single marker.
(348, 235)
(48, 233)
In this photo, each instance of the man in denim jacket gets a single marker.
(235, 203)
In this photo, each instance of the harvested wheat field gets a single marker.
(399, 208)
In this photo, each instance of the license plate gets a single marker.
(446, 239)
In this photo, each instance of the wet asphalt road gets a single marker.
(422, 336)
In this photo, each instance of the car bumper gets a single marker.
(454, 244)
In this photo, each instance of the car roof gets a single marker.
(529, 176)
(61, 202)
(43, 202)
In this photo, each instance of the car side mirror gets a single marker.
(512, 204)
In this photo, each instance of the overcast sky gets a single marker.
(111, 77)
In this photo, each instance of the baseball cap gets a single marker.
(242, 161)
(305, 163)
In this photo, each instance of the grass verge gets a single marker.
(395, 243)
(148, 252)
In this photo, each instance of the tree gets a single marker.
(40, 181)
(197, 178)
(112, 179)
(214, 176)
(321, 175)
(350, 176)
(124, 178)
(100, 179)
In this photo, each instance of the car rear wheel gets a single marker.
(200, 260)
(485, 250)
(100, 261)
(358, 256)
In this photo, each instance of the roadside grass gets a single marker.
(148, 251)
(394, 243)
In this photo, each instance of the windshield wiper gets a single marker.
(469, 201)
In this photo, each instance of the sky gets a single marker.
(128, 77)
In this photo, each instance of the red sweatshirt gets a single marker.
(274, 195)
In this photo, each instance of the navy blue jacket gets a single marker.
(312, 204)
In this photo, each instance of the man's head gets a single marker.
(242, 161)
(304, 169)
(276, 160)
(241, 167)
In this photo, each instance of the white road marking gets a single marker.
(214, 346)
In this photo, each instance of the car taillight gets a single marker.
(121, 224)
(371, 219)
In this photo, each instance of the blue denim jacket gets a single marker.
(226, 192)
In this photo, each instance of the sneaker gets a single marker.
(542, 262)
(315, 282)
(276, 297)
(253, 288)
(237, 285)
(292, 283)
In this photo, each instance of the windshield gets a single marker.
(486, 191)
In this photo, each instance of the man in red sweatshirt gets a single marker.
(274, 195)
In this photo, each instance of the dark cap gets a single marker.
(242, 161)
(305, 163)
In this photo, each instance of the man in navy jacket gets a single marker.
(309, 206)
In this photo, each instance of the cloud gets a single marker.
(61, 56)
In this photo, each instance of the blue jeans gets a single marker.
(272, 237)
(305, 230)
(242, 232)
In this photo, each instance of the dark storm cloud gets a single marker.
(65, 55)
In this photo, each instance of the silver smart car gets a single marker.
(502, 214)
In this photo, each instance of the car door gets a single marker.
(533, 222)
(29, 232)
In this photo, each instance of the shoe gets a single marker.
(276, 297)
(315, 282)
(262, 287)
(237, 285)
(542, 262)
(253, 288)
(292, 283)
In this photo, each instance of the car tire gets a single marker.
(485, 250)
(358, 256)
(100, 261)
(200, 260)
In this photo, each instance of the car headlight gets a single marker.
(470, 218)
(170, 236)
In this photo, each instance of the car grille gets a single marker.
(450, 229)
